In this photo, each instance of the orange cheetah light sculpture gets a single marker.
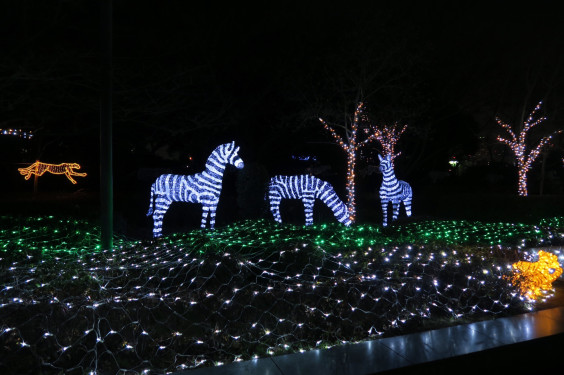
(38, 168)
(534, 277)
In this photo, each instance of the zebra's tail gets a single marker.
(152, 201)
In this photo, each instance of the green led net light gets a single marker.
(334, 237)
(207, 298)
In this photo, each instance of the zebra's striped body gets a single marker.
(393, 190)
(308, 189)
(203, 187)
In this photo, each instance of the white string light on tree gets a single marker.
(517, 141)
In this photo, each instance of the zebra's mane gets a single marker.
(219, 157)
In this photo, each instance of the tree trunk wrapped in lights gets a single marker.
(518, 144)
(351, 145)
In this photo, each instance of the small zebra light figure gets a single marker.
(393, 190)
(308, 189)
(203, 187)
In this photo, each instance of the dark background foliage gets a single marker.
(189, 76)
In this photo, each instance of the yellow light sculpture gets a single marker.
(38, 168)
(534, 277)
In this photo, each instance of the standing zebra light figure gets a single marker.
(393, 190)
(308, 189)
(203, 187)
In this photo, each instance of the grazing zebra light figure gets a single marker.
(203, 187)
(393, 190)
(308, 189)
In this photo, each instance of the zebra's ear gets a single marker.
(236, 150)
(389, 157)
(380, 158)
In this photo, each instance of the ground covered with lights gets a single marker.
(251, 289)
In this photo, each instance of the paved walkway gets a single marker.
(523, 344)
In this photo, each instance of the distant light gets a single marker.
(25, 134)
(304, 158)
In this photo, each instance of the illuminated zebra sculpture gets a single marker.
(203, 187)
(393, 190)
(308, 189)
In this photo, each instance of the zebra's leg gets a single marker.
(385, 213)
(213, 208)
(407, 205)
(161, 207)
(395, 207)
(205, 213)
(275, 200)
(308, 209)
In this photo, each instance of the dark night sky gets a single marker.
(188, 76)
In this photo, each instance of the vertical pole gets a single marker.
(542, 173)
(35, 179)
(106, 170)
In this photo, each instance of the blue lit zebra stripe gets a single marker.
(393, 190)
(203, 187)
(308, 189)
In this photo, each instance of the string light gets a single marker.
(260, 289)
(517, 141)
(308, 189)
(387, 136)
(532, 278)
(26, 134)
(204, 187)
(39, 168)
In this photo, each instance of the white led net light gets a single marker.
(162, 307)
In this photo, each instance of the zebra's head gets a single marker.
(385, 163)
(232, 155)
(346, 221)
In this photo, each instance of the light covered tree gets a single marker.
(388, 136)
(350, 144)
(517, 141)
